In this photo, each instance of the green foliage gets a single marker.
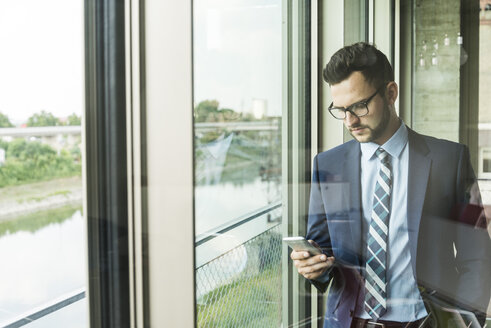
(253, 297)
(4, 121)
(3, 144)
(29, 161)
(251, 154)
(73, 119)
(24, 150)
(224, 309)
(76, 154)
(204, 109)
(40, 198)
(210, 136)
(42, 119)
(208, 111)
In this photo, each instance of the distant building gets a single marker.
(259, 108)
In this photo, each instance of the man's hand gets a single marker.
(311, 267)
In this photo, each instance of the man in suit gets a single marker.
(396, 214)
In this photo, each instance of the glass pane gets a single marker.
(484, 103)
(438, 58)
(484, 143)
(237, 97)
(445, 106)
(42, 228)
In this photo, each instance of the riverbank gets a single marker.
(39, 196)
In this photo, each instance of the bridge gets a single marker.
(40, 131)
(52, 131)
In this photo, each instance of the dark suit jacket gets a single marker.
(440, 176)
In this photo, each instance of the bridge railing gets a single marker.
(43, 131)
(238, 272)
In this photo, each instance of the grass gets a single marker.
(250, 302)
(39, 190)
(60, 192)
(40, 198)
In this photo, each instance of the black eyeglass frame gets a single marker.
(348, 109)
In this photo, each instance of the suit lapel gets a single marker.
(419, 170)
(351, 174)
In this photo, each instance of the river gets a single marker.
(44, 257)
(44, 253)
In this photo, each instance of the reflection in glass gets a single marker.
(484, 143)
(53, 239)
(237, 116)
(436, 68)
(440, 107)
(237, 93)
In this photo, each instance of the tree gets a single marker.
(29, 161)
(205, 109)
(42, 119)
(73, 119)
(5, 122)
(208, 111)
(24, 150)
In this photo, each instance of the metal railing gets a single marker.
(77, 129)
(241, 287)
(238, 275)
(45, 309)
(40, 131)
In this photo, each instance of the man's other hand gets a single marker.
(311, 267)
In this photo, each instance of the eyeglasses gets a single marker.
(358, 109)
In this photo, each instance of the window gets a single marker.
(449, 74)
(42, 225)
(484, 125)
(238, 171)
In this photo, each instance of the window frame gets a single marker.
(151, 180)
(105, 169)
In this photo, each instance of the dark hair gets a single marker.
(362, 57)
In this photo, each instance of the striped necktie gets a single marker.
(375, 277)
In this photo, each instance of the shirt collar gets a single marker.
(393, 146)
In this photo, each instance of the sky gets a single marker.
(237, 56)
(41, 58)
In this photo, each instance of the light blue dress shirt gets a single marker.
(404, 301)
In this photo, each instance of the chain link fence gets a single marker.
(242, 288)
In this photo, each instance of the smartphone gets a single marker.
(300, 244)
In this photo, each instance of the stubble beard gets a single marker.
(377, 131)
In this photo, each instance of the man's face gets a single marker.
(371, 127)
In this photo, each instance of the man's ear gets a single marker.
(391, 92)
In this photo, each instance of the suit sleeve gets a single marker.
(317, 228)
(472, 243)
